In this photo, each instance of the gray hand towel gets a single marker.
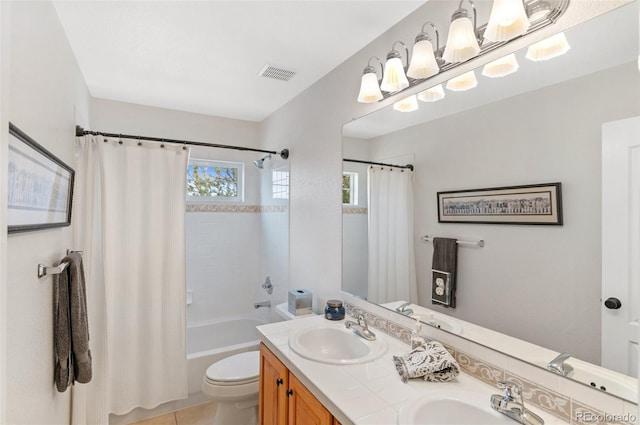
(62, 334)
(431, 361)
(73, 361)
(79, 319)
(445, 259)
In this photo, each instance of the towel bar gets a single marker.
(479, 243)
(46, 270)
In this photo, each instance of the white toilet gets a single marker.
(233, 383)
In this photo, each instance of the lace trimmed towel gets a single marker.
(431, 361)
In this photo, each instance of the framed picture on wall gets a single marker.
(529, 204)
(40, 186)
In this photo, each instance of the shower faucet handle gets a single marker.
(267, 285)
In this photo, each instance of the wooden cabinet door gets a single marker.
(274, 382)
(304, 408)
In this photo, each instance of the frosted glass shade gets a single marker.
(548, 48)
(408, 104)
(369, 89)
(463, 82)
(394, 78)
(433, 94)
(501, 67)
(423, 61)
(462, 44)
(508, 20)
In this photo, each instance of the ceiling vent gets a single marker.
(270, 71)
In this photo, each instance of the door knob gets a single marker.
(612, 303)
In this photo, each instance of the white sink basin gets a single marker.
(451, 407)
(335, 345)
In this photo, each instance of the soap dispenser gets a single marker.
(416, 339)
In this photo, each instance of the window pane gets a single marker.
(214, 179)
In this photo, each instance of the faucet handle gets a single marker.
(512, 390)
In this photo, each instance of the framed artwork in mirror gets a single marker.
(40, 186)
(528, 204)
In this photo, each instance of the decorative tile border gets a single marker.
(354, 210)
(222, 208)
(561, 406)
(547, 400)
(479, 369)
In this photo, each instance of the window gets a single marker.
(280, 184)
(215, 181)
(349, 188)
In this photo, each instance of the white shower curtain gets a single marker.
(392, 272)
(129, 220)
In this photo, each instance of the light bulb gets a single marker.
(432, 95)
(508, 20)
(501, 67)
(423, 61)
(463, 82)
(408, 104)
(549, 48)
(369, 88)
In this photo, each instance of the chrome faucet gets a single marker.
(512, 405)
(262, 304)
(559, 366)
(403, 310)
(360, 328)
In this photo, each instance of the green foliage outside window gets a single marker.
(203, 180)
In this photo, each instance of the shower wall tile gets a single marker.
(222, 264)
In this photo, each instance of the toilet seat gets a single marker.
(239, 369)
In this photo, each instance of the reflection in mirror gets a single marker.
(550, 121)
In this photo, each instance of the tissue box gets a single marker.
(300, 302)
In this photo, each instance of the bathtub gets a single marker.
(209, 342)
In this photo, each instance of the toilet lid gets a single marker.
(239, 367)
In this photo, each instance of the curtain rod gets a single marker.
(408, 166)
(284, 153)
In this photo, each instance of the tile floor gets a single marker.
(200, 414)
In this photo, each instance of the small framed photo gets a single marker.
(529, 204)
(40, 186)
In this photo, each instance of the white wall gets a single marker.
(46, 98)
(533, 272)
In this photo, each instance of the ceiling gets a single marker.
(205, 56)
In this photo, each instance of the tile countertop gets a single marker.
(363, 394)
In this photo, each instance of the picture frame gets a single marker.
(529, 204)
(40, 186)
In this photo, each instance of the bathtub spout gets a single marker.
(262, 304)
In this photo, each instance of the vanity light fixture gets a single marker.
(408, 104)
(369, 86)
(507, 21)
(394, 78)
(501, 67)
(424, 63)
(433, 94)
(538, 10)
(462, 41)
(549, 48)
(463, 82)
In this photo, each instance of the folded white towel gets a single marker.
(431, 361)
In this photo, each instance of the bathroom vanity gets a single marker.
(295, 389)
(284, 399)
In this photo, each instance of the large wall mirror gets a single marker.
(548, 122)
